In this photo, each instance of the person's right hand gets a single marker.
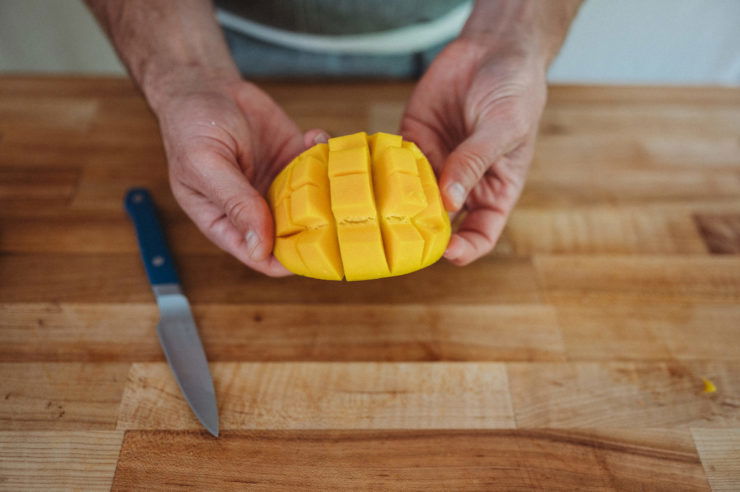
(225, 142)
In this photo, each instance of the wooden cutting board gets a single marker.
(598, 347)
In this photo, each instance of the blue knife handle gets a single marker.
(160, 267)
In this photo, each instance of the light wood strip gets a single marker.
(222, 279)
(640, 278)
(348, 395)
(605, 183)
(558, 143)
(122, 122)
(60, 460)
(719, 450)
(48, 113)
(62, 396)
(643, 119)
(656, 331)
(625, 394)
(613, 459)
(603, 230)
(253, 332)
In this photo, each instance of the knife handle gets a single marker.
(158, 262)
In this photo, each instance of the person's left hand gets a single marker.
(475, 115)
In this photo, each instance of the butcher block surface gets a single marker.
(598, 346)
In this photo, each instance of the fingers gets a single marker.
(217, 227)
(467, 164)
(245, 208)
(476, 236)
(225, 235)
(217, 196)
(228, 209)
(315, 136)
(489, 206)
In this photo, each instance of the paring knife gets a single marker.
(177, 332)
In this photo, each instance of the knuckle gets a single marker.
(474, 165)
(237, 210)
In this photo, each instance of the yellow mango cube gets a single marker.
(358, 208)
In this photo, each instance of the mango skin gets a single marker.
(360, 207)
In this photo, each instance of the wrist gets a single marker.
(166, 84)
(526, 29)
(167, 45)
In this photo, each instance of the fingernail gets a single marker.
(322, 137)
(456, 192)
(253, 242)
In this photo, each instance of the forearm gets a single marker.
(529, 27)
(164, 42)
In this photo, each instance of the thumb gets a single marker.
(226, 186)
(467, 164)
(315, 136)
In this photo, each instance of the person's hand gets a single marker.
(225, 143)
(475, 115)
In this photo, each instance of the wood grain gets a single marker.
(719, 450)
(349, 395)
(624, 394)
(721, 232)
(300, 332)
(59, 460)
(590, 230)
(640, 278)
(222, 279)
(603, 230)
(55, 184)
(102, 188)
(655, 119)
(63, 396)
(96, 235)
(597, 184)
(571, 148)
(612, 293)
(411, 460)
(656, 331)
(71, 114)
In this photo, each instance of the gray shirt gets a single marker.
(339, 17)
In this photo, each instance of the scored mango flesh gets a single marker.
(358, 208)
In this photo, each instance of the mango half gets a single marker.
(360, 207)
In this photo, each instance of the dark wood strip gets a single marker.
(411, 460)
(721, 232)
(37, 183)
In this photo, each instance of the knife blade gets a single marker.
(177, 331)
